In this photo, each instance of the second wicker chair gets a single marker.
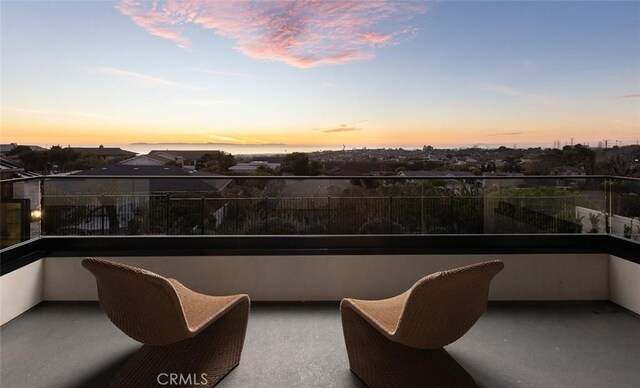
(194, 338)
(398, 342)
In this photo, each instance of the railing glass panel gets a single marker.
(298, 206)
(20, 211)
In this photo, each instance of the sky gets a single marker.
(364, 73)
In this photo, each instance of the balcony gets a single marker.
(562, 313)
(561, 345)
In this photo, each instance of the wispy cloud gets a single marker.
(144, 79)
(343, 127)
(245, 140)
(42, 112)
(225, 138)
(207, 103)
(512, 92)
(637, 95)
(506, 134)
(159, 23)
(300, 33)
(233, 74)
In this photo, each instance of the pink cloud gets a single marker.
(300, 33)
(637, 95)
(158, 23)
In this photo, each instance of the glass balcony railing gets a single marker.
(20, 211)
(221, 205)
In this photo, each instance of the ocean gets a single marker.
(235, 149)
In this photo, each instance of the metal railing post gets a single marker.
(328, 215)
(608, 205)
(167, 212)
(102, 215)
(266, 222)
(237, 213)
(43, 213)
(390, 214)
(451, 226)
(203, 214)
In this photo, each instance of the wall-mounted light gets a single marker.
(36, 215)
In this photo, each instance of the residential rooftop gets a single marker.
(104, 151)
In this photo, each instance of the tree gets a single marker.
(579, 156)
(19, 150)
(215, 161)
(298, 163)
(538, 167)
(84, 162)
(511, 164)
(34, 161)
(314, 167)
(57, 159)
(265, 171)
(620, 165)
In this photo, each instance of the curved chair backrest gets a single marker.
(142, 304)
(443, 306)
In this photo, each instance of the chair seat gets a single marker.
(201, 310)
(399, 341)
(383, 314)
(184, 332)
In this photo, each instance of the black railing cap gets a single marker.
(320, 177)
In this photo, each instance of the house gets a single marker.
(351, 168)
(143, 160)
(18, 200)
(118, 197)
(186, 159)
(517, 181)
(10, 169)
(152, 185)
(6, 148)
(252, 167)
(451, 178)
(315, 188)
(106, 153)
(471, 162)
(447, 174)
(567, 170)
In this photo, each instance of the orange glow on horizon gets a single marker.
(53, 133)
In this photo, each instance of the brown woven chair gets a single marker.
(185, 333)
(398, 342)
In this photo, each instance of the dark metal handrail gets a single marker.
(319, 177)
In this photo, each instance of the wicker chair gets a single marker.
(183, 332)
(398, 342)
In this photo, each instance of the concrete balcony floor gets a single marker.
(301, 345)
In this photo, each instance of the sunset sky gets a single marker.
(367, 73)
